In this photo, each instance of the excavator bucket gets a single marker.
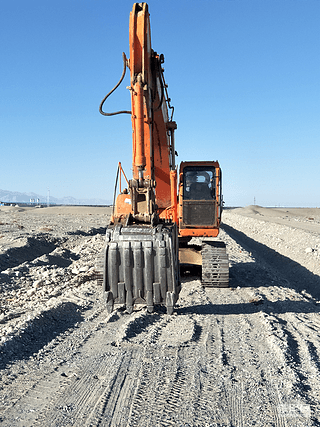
(139, 265)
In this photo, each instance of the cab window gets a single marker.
(199, 183)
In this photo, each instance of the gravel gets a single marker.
(248, 355)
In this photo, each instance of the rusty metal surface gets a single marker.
(190, 255)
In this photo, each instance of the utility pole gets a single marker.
(254, 200)
(48, 198)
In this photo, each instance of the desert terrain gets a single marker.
(248, 355)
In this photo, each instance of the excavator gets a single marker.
(160, 220)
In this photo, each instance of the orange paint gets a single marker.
(153, 158)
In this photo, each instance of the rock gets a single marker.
(256, 301)
(308, 250)
(8, 330)
(37, 283)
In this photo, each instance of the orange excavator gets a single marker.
(157, 222)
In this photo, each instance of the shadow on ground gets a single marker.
(250, 308)
(91, 232)
(40, 332)
(293, 274)
(33, 248)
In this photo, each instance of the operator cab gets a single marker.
(200, 196)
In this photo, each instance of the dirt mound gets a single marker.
(248, 210)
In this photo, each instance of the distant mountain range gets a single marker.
(16, 197)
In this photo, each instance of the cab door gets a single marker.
(199, 197)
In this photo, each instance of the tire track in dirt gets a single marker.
(303, 356)
(111, 407)
(279, 369)
(167, 372)
(151, 378)
(54, 374)
(220, 361)
(243, 370)
(182, 391)
(165, 379)
(291, 339)
(212, 400)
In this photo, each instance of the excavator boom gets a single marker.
(153, 142)
(140, 262)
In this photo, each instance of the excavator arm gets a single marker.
(153, 152)
(139, 263)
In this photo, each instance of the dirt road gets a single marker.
(248, 355)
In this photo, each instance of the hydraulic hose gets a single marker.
(119, 82)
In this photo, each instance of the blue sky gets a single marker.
(243, 76)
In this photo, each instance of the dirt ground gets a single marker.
(248, 355)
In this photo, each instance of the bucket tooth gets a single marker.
(111, 271)
(138, 268)
(129, 301)
(170, 301)
(156, 293)
(149, 301)
(162, 269)
(109, 301)
(121, 293)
